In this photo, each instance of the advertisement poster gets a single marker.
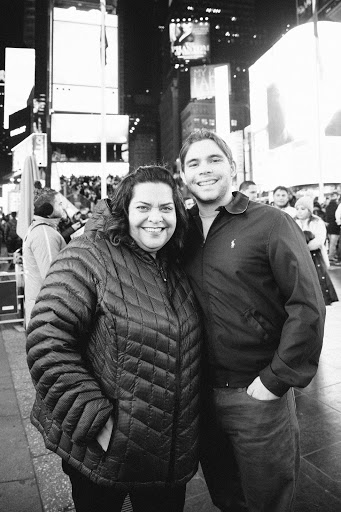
(190, 41)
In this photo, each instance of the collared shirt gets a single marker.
(260, 296)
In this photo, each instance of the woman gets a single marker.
(113, 350)
(315, 232)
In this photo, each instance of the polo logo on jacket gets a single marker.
(233, 243)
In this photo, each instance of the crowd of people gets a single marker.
(163, 331)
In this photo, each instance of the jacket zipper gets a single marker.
(177, 392)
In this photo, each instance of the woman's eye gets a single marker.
(142, 208)
(167, 209)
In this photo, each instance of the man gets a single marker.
(264, 314)
(282, 201)
(42, 243)
(249, 189)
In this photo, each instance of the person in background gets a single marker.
(263, 311)
(249, 189)
(281, 200)
(12, 240)
(315, 232)
(114, 353)
(41, 244)
(338, 222)
(333, 229)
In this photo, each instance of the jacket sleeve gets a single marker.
(45, 247)
(57, 334)
(296, 358)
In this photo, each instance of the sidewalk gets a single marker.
(31, 479)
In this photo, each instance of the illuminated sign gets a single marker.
(87, 128)
(203, 82)
(76, 61)
(35, 144)
(295, 109)
(189, 41)
(18, 131)
(20, 69)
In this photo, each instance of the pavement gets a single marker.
(31, 479)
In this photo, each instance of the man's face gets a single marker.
(58, 208)
(208, 173)
(251, 192)
(281, 198)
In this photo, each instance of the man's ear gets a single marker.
(183, 177)
(233, 169)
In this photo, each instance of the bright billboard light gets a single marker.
(20, 70)
(76, 61)
(295, 105)
(87, 128)
(189, 41)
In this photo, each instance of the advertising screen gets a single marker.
(296, 108)
(87, 128)
(76, 61)
(189, 41)
(20, 68)
(203, 82)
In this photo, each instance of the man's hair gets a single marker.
(280, 187)
(246, 184)
(203, 134)
(44, 199)
(119, 223)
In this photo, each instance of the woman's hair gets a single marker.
(119, 224)
(203, 134)
(44, 199)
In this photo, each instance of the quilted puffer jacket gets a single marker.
(113, 333)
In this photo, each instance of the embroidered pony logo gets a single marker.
(233, 243)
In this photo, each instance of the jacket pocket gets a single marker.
(262, 326)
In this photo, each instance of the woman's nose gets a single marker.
(155, 215)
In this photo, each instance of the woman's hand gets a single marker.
(103, 437)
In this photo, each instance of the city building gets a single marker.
(202, 36)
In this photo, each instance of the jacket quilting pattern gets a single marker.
(84, 371)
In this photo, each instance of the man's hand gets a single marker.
(258, 391)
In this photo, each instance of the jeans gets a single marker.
(250, 451)
(90, 497)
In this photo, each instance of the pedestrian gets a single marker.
(333, 229)
(41, 244)
(315, 233)
(113, 349)
(281, 200)
(249, 189)
(263, 310)
(12, 239)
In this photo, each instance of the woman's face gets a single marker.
(152, 216)
(302, 212)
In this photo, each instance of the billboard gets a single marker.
(76, 61)
(203, 81)
(19, 83)
(87, 128)
(189, 41)
(295, 107)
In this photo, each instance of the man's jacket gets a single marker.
(259, 291)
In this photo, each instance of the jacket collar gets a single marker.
(42, 220)
(238, 205)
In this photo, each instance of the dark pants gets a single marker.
(250, 451)
(90, 497)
